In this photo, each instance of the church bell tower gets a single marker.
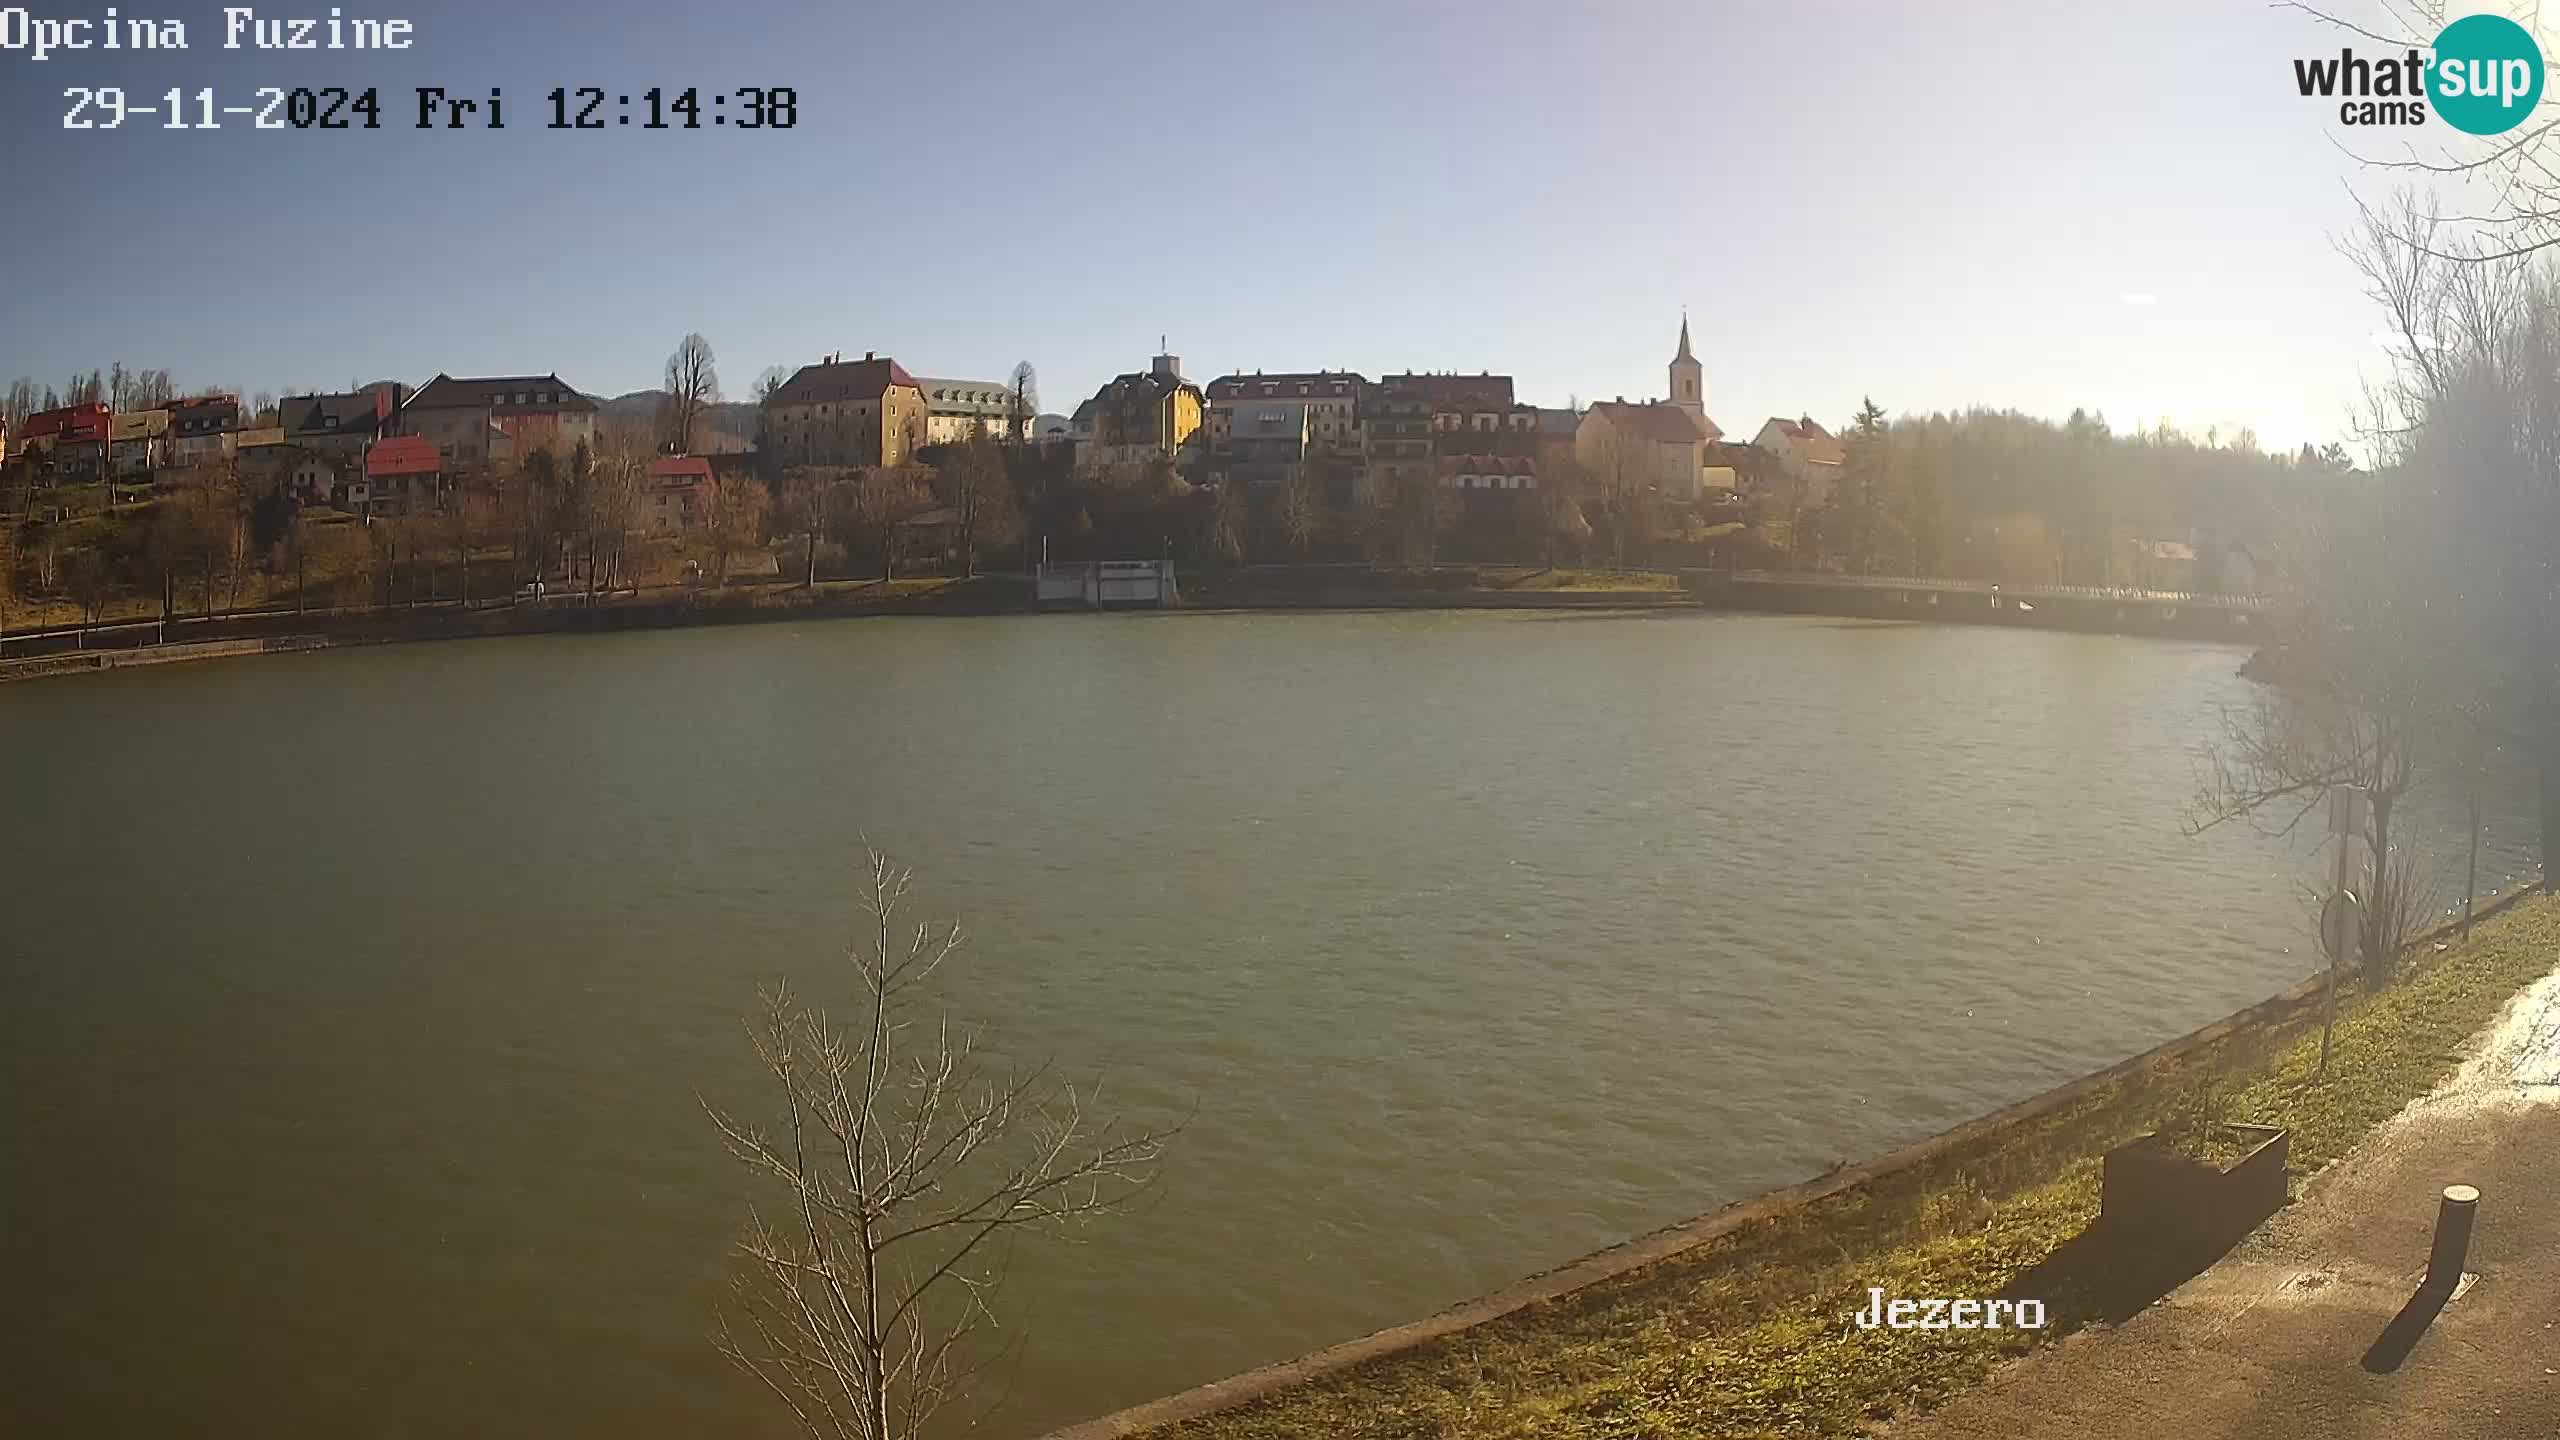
(1688, 377)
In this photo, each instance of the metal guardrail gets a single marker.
(2127, 593)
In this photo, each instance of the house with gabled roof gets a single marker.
(495, 419)
(867, 412)
(1807, 454)
(137, 443)
(336, 425)
(677, 496)
(1659, 445)
(402, 474)
(1488, 472)
(1141, 417)
(203, 427)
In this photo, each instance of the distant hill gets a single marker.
(727, 427)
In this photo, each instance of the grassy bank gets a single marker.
(1749, 1334)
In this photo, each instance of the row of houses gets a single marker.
(383, 446)
(388, 447)
(1463, 431)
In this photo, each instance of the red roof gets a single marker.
(1820, 447)
(403, 455)
(70, 424)
(1459, 393)
(1293, 384)
(679, 469)
(840, 380)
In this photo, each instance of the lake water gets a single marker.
(353, 1007)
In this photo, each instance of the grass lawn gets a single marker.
(1750, 1334)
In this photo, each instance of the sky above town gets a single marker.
(2043, 206)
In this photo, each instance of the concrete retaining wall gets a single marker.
(85, 662)
(1634, 1254)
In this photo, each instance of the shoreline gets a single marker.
(280, 632)
(1259, 1402)
(238, 636)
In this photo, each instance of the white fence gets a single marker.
(1109, 583)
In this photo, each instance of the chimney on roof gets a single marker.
(868, 355)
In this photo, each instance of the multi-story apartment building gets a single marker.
(867, 412)
(1396, 424)
(1331, 398)
(1480, 404)
(1268, 441)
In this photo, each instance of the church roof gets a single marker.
(1684, 341)
(1661, 423)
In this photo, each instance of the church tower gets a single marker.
(1688, 377)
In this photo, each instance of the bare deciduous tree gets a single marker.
(693, 387)
(873, 505)
(904, 1162)
(2410, 596)
(1024, 403)
(973, 482)
(1300, 510)
(738, 505)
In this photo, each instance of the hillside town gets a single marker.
(124, 495)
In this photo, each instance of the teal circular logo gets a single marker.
(2487, 75)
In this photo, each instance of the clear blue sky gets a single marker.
(2023, 204)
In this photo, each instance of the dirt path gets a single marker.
(2294, 1334)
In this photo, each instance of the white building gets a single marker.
(1807, 454)
(956, 409)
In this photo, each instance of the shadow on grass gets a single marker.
(2113, 1273)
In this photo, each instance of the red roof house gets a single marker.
(402, 455)
(679, 493)
(69, 425)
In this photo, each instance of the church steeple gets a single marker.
(1688, 377)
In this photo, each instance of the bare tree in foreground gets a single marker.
(904, 1164)
(2507, 186)
(693, 387)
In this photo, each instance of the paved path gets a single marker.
(2272, 1343)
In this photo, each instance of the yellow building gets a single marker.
(1143, 416)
